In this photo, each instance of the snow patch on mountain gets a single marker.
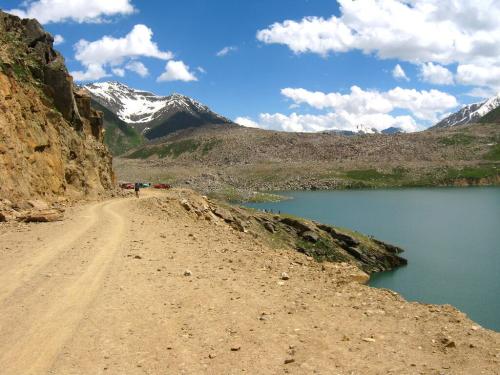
(470, 113)
(140, 107)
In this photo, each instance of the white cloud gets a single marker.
(137, 67)
(330, 121)
(93, 72)
(436, 74)
(424, 105)
(177, 71)
(358, 110)
(201, 70)
(119, 72)
(246, 121)
(440, 31)
(399, 73)
(226, 50)
(96, 55)
(477, 75)
(311, 34)
(58, 39)
(80, 11)
(482, 93)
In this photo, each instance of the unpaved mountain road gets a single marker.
(104, 292)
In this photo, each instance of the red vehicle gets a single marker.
(161, 186)
(127, 185)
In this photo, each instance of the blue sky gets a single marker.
(294, 76)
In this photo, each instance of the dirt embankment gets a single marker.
(148, 286)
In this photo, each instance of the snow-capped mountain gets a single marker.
(470, 113)
(155, 116)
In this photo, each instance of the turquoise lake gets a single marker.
(451, 238)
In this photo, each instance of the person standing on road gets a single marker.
(137, 187)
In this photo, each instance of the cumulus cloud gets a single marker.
(424, 105)
(80, 11)
(109, 51)
(177, 71)
(331, 121)
(119, 72)
(365, 110)
(93, 72)
(226, 50)
(246, 121)
(437, 74)
(440, 31)
(399, 73)
(486, 75)
(58, 39)
(137, 67)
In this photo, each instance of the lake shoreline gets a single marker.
(437, 227)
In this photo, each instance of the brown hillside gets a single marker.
(222, 158)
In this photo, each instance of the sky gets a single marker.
(292, 65)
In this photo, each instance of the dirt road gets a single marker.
(107, 291)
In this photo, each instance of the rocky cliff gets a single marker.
(51, 140)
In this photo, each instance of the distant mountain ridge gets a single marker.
(470, 113)
(152, 115)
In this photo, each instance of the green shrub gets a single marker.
(457, 139)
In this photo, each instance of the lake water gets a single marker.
(451, 238)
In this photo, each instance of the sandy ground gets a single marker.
(105, 292)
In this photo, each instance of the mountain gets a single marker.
(51, 139)
(491, 117)
(119, 136)
(152, 115)
(393, 130)
(470, 113)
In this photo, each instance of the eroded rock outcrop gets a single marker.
(319, 241)
(51, 140)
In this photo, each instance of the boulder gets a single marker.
(269, 227)
(301, 226)
(41, 216)
(38, 204)
(310, 236)
(223, 214)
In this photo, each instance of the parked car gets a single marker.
(127, 185)
(161, 186)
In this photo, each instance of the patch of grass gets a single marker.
(143, 153)
(375, 175)
(120, 139)
(265, 197)
(322, 250)
(472, 173)
(209, 145)
(457, 140)
(176, 149)
(494, 153)
(20, 71)
(173, 149)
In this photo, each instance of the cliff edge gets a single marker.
(51, 140)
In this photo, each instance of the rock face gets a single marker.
(51, 140)
(322, 242)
